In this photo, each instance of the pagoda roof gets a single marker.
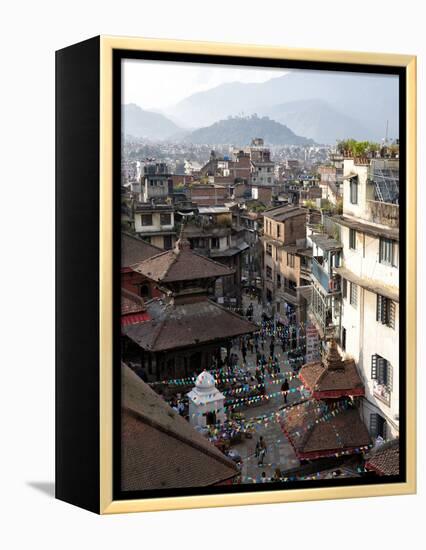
(160, 449)
(333, 377)
(181, 264)
(177, 325)
(315, 430)
(135, 250)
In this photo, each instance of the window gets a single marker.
(278, 280)
(387, 251)
(144, 291)
(353, 298)
(278, 230)
(165, 219)
(344, 288)
(268, 272)
(197, 242)
(269, 249)
(336, 259)
(354, 190)
(167, 240)
(215, 242)
(385, 311)
(290, 260)
(381, 371)
(146, 219)
(343, 339)
(352, 239)
(377, 426)
(291, 284)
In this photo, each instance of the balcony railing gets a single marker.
(290, 291)
(329, 284)
(305, 271)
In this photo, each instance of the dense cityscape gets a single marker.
(260, 312)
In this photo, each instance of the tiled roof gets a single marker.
(133, 309)
(319, 380)
(177, 325)
(159, 448)
(181, 264)
(134, 250)
(131, 303)
(315, 432)
(333, 377)
(385, 459)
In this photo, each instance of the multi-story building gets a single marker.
(310, 193)
(251, 165)
(331, 178)
(130, 171)
(370, 286)
(252, 223)
(262, 167)
(228, 170)
(285, 260)
(262, 193)
(157, 182)
(325, 300)
(209, 195)
(154, 223)
(212, 233)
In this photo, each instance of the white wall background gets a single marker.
(30, 32)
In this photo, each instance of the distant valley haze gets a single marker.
(296, 107)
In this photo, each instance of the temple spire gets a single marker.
(333, 359)
(182, 243)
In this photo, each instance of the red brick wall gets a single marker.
(131, 281)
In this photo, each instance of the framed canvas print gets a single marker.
(235, 274)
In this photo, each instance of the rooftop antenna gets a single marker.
(387, 131)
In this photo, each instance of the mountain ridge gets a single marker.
(239, 131)
(141, 123)
(317, 119)
(368, 100)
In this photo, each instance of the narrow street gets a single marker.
(280, 453)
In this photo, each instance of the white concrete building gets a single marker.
(370, 287)
(206, 402)
(155, 224)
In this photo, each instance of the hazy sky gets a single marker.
(160, 84)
